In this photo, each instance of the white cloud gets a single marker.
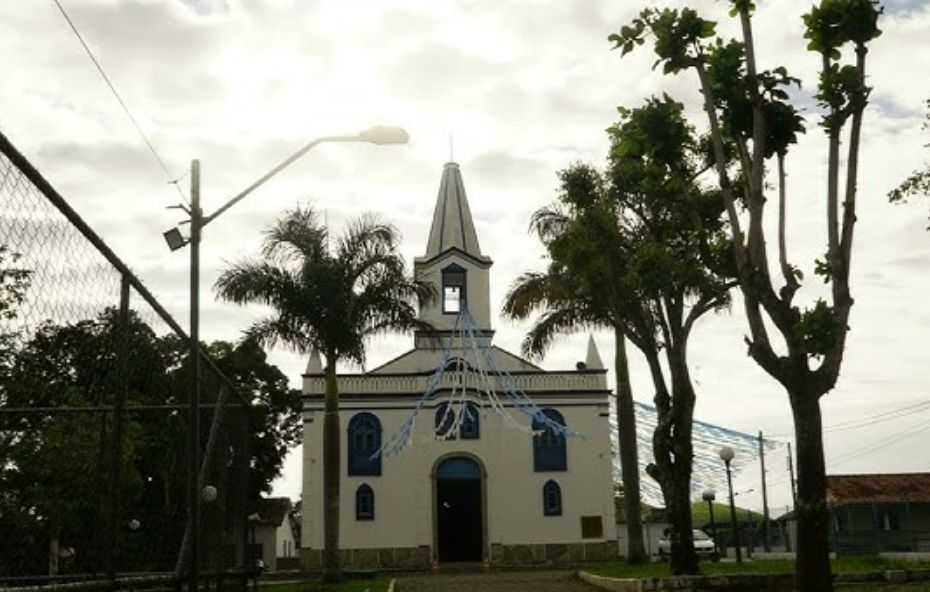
(524, 91)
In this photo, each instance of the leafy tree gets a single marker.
(330, 302)
(54, 467)
(642, 250)
(750, 115)
(677, 265)
(14, 282)
(575, 293)
(918, 183)
(275, 424)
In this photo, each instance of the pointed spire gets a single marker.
(452, 222)
(593, 359)
(314, 364)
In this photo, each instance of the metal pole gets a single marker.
(713, 525)
(749, 533)
(766, 543)
(794, 494)
(119, 431)
(733, 522)
(194, 397)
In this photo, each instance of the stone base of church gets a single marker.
(416, 558)
(553, 553)
(412, 558)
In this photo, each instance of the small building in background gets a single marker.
(273, 534)
(876, 513)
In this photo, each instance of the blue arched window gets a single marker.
(445, 417)
(364, 441)
(552, 499)
(471, 424)
(549, 445)
(364, 503)
(469, 427)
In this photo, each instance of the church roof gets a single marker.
(453, 227)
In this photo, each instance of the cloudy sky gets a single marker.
(523, 88)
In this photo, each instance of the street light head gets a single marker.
(175, 239)
(708, 495)
(726, 454)
(383, 134)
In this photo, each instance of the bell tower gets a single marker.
(453, 262)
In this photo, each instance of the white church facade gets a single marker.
(495, 486)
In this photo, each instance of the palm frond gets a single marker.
(277, 330)
(297, 236)
(549, 222)
(550, 324)
(367, 237)
(530, 292)
(255, 281)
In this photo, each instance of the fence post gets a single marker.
(119, 430)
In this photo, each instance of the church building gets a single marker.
(498, 485)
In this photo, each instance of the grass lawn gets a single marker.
(376, 585)
(853, 564)
(882, 587)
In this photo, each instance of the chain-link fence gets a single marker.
(94, 415)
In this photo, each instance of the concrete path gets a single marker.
(536, 581)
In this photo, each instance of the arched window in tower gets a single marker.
(364, 503)
(453, 289)
(552, 499)
(364, 440)
(549, 445)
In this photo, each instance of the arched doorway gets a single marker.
(459, 509)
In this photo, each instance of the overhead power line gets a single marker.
(893, 414)
(883, 443)
(161, 162)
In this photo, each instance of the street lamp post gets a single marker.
(709, 497)
(375, 135)
(726, 455)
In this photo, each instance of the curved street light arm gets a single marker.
(281, 166)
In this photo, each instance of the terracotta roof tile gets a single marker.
(900, 487)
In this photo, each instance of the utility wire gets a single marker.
(905, 411)
(171, 179)
(881, 417)
(884, 443)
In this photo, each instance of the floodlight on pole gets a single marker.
(175, 239)
(375, 135)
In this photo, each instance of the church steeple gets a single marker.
(452, 226)
(453, 261)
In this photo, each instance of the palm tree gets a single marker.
(330, 301)
(575, 293)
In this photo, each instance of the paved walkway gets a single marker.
(525, 581)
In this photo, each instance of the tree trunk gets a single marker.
(813, 553)
(53, 552)
(673, 451)
(678, 505)
(678, 494)
(629, 454)
(331, 460)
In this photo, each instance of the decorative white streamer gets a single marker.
(476, 377)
